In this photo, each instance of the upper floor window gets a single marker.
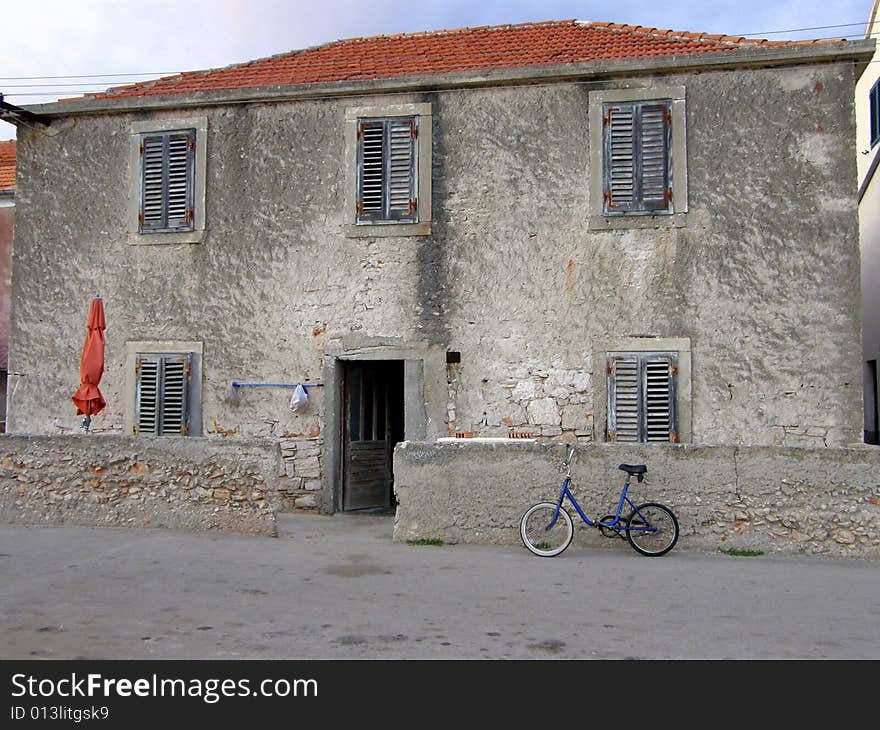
(167, 181)
(388, 159)
(874, 109)
(387, 163)
(636, 157)
(167, 173)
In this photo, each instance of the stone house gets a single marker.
(580, 231)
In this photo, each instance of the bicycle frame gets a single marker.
(564, 492)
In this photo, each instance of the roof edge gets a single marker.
(760, 56)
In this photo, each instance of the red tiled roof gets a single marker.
(449, 51)
(7, 165)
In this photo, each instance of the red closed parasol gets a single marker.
(88, 399)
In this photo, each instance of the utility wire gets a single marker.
(174, 73)
(80, 87)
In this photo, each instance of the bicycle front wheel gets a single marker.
(652, 529)
(541, 534)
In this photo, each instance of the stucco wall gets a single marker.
(762, 279)
(785, 500)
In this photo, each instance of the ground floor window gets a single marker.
(642, 396)
(163, 388)
(162, 398)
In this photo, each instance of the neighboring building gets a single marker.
(868, 146)
(584, 231)
(7, 210)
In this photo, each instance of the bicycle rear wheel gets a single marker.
(541, 535)
(652, 529)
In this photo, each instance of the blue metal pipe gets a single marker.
(237, 384)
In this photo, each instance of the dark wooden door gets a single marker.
(368, 434)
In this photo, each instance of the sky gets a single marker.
(140, 40)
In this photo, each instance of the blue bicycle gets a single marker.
(651, 528)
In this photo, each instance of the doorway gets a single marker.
(372, 424)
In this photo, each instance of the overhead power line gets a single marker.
(130, 76)
(801, 30)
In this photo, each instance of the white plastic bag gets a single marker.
(299, 400)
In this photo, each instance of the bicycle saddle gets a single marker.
(634, 469)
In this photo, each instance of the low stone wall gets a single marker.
(119, 481)
(785, 500)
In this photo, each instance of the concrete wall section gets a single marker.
(787, 500)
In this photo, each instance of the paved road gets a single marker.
(338, 587)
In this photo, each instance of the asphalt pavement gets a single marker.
(338, 587)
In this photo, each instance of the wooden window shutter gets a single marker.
(167, 181)
(658, 397)
(642, 396)
(387, 170)
(162, 398)
(623, 398)
(636, 157)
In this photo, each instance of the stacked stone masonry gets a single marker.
(111, 481)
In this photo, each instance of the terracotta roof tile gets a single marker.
(448, 51)
(7, 165)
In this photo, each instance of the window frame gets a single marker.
(602, 350)
(642, 362)
(135, 349)
(166, 139)
(355, 226)
(675, 215)
(161, 404)
(139, 131)
(874, 113)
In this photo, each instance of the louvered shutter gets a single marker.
(386, 174)
(641, 397)
(162, 398)
(658, 397)
(636, 157)
(624, 412)
(147, 395)
(167, 175)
